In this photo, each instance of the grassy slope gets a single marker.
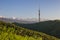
(12, 32)
(48, 27)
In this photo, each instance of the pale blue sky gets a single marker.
(50, 9)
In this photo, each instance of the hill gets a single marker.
(9, 31)
(51, 27)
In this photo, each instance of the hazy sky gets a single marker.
(50, 9)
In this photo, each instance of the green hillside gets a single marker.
(9, 31)
(51, 27)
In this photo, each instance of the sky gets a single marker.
(49, 9)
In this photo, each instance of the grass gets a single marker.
(9, 31)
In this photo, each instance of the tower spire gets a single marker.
(39, 14)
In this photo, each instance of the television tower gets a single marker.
(39, 14)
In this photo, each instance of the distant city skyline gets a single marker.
(49, 9)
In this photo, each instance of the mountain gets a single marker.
(15, 20)
(51, 27)
(9, 31)
(20, 20)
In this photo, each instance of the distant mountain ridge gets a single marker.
(15, 20)
(20, 20)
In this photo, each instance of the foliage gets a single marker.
(9, 31)
(51, 27)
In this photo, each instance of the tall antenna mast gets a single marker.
(39, 13)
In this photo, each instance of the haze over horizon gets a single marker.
(50, 9)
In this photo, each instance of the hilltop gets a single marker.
(51, 27)
(9, 31)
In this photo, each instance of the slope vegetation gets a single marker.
(49, 27)
(9, 31)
